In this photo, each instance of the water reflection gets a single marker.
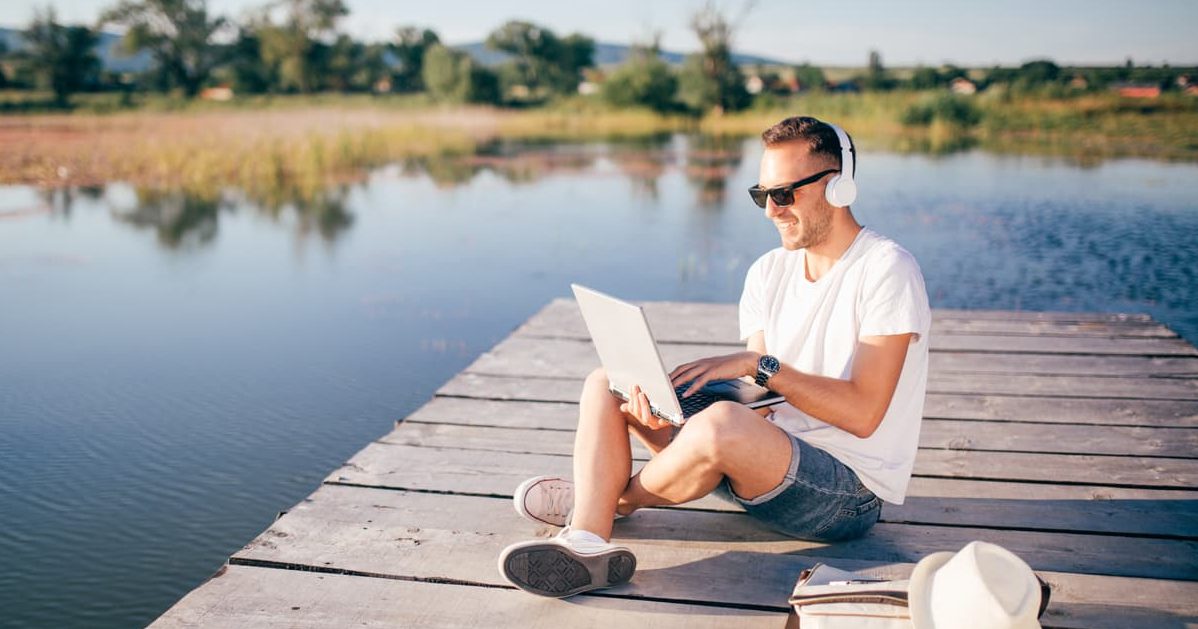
(60, 200)
(322, 211)
(183, 219)
(180, 219)
(643, 162)
(710, 161)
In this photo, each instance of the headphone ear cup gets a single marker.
(840, 191)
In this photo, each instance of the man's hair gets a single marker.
(819, 136)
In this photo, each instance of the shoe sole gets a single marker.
(549, 569)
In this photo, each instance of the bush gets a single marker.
(644, 80)
(949, 109)
(453, 76)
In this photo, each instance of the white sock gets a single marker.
(580, 535)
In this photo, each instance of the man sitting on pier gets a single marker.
(836, 320)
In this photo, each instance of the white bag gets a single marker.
(829, 598)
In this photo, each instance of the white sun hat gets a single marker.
(982, 586)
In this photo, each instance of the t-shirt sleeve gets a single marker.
(752, 306)
(895, 300)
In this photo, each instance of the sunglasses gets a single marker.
(783, 196)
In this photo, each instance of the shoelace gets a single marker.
(555, 500)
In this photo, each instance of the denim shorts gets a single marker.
(820, 499)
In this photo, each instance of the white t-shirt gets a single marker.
(874, 289)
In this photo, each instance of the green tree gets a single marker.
(710, 79)
(543, 62)
(178, 33)
(295, 50)
(876, 77)
(411, 44)
(925, 79)
(60, 57)
(577, 52)
(245, 67)
(353, 65)
(452, 76)
(3, 77)
(1038, 72)
(644, 80)
(810, 77)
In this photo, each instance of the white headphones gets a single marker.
(842, 189)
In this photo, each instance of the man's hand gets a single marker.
(702, 371)
(638, 407)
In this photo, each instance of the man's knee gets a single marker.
(717, 431)
(597, 378)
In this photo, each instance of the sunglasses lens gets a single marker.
(783, 197)
(758, 195)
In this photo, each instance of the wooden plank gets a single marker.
(576, 357)
(570, 358)
(1053, 409)
(938, 501)
(1165, 472)
(1062, 364)
(1050, 409)
(698, 322)
(681, 556)
(247, 596)
(1061, 345)
(1084, 414)
(934, 433)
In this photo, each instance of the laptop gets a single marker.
(630, 357)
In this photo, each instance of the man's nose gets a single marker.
(771, 209)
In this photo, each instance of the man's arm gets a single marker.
(757, 346)
(856, 405)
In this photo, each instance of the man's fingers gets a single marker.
(685, 372)
(697, 384)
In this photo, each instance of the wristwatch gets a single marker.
(767, 366)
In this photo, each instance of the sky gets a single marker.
(833, 33)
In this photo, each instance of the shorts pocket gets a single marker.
(851, 521)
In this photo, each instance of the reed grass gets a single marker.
(310, 142)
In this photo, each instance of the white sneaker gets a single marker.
(566, 565)
(545, 499)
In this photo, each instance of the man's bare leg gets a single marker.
(603, 455)
(726, 439)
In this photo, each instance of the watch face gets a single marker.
(769, 363)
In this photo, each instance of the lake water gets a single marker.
(176, 370)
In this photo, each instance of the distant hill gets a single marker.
(113, 60)
(607, 55)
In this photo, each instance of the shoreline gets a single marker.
(312, 144)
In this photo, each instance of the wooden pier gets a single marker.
(1070, 439)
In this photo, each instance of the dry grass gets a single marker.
(248, 149)
(259, 149)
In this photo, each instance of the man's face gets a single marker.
(808, 221)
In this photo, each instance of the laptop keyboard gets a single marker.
(695, 403)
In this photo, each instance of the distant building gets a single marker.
(382, 86)
(962, 85)
(588, 88)
(1137, 90)
(1079, 82)
(221, 93)
(754, 84)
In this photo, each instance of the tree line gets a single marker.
(296, 47)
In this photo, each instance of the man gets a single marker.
(836, 320)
